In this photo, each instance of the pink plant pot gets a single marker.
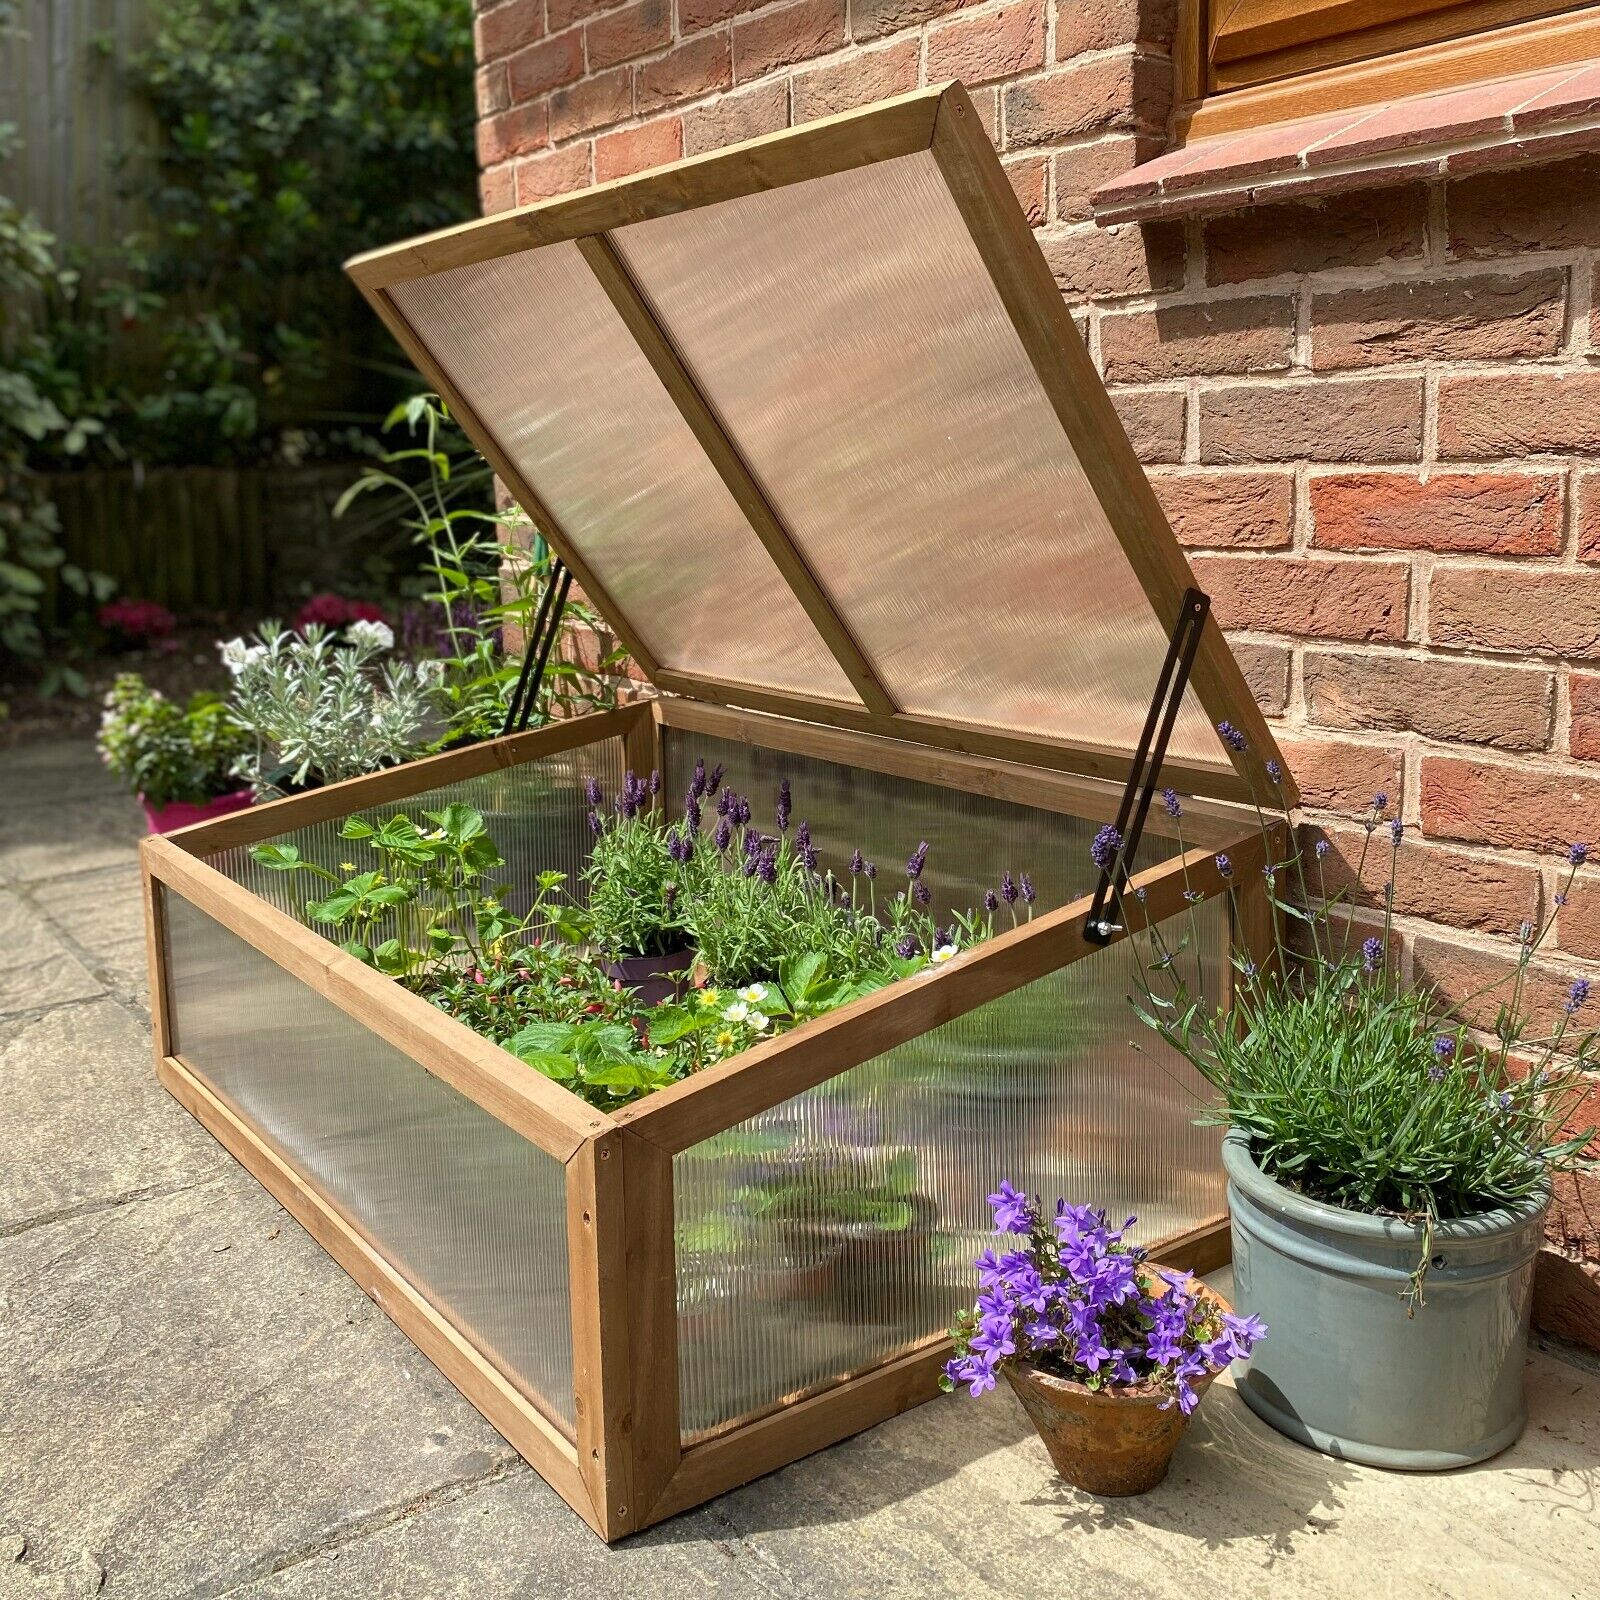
(180, 814)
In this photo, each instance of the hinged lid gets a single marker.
(812, 426)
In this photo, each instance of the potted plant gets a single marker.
(1109, 1353)
(635, 878)
(321, 707)
(178, 759)
(1388, 1173)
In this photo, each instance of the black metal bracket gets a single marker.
(537, 647)
(1143, 776)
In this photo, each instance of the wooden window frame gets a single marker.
(1538, 44)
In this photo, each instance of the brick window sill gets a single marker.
(1501, 123)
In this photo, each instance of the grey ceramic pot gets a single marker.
(654, 979)
(1343, 1368)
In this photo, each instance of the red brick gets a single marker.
(1516, 807)
(545, 66)
(1509, 708)
(509, 27)
(1550, 207)
(1500, 513)
(1566, 1291)
(497, 190)
(1583, 690)
(1153, 421)
(1539, 612)
(592, 102)
(1228, 510)
(1266, 670)
(493, 90)
(785, 34)
(1340, 775)
(1082, 169)
(555, 172)
(997, 44)
(855, 81)
(1578, 921)
(1126, 91)
(745, 114)
(1456, 887)
(513, 133)
(1029, 178)
(1478, 982)
(1366, 419)
(698, 66)
(1347, 230)
(561, 14)
(1586, 489)
(1472, 319)
(1483, 416)
(1091, 263)
(1083, 25)
(876, 19)
(1227, 336)
(635, 30)
(634, 149)
(1360, 600)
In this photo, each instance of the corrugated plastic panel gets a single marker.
(472, 1214)
(857, 350)
(541, 356)
(838, 1230)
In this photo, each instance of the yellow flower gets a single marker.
(347, 866)
(710, 997)
(725, 1040)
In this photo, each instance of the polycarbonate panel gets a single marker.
(972, 839)
(852, 341)
(471, 1213)
(542, 357)
(838, 1229)
(535, 813)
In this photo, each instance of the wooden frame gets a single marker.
(941, 120)
(1447, 49)
(625, 1466)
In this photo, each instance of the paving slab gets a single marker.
(45, 772)
(36, 968)
(47, 841)
(85, 1121)
(102, 913)
(192, 1395)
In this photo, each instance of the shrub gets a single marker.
(168, 752)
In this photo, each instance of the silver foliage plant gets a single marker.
(323, 705)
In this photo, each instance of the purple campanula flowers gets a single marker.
(1078, 1301)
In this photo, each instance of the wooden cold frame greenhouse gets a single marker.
(809, 422)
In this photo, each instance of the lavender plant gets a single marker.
(1079, 1302)
(638, 870)
(1356, 1088)
(322, 707)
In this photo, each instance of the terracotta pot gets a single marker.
(653, 978)
(180, 814)
(1110, 1441)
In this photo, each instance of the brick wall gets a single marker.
(1371, 418)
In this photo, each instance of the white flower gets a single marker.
(942, 954)
(737, 1012)
(755, 994)
(237, 655)
(759, 1021)
(377, 634)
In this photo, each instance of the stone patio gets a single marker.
(195, 1401)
